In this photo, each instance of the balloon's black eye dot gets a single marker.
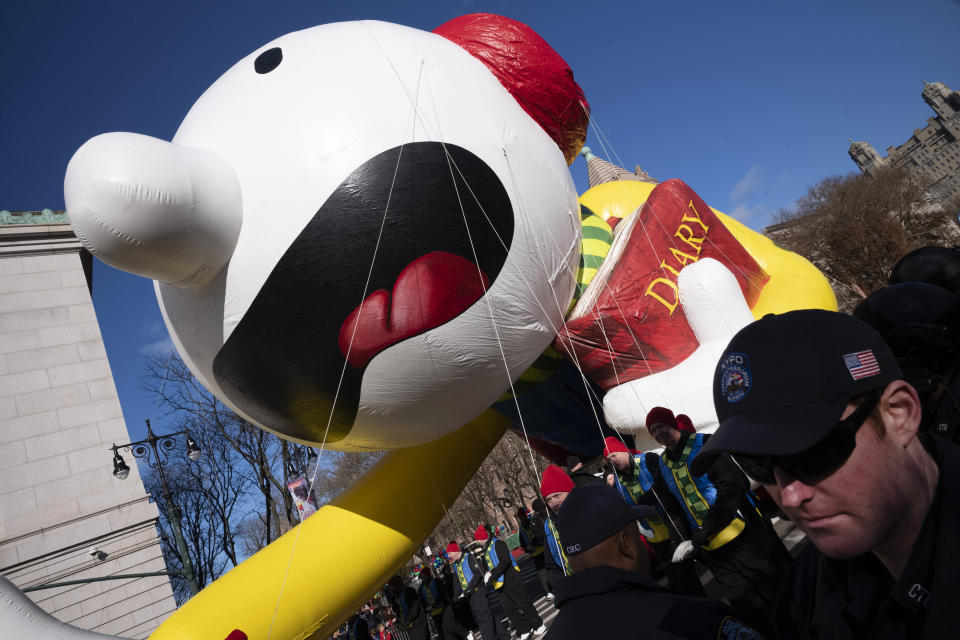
(268, 60)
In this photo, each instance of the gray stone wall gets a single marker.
(59, 413)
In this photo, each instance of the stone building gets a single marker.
(64, 517)
(932, 152)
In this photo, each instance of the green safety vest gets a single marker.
(636, 488)
(556, 549)
(464, 573)
(696, 493)
(493, 561)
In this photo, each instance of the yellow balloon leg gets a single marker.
(311, 579)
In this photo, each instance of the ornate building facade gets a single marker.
(932, 153)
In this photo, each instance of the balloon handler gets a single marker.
(747, 560)
(504, 575)
(470, 584)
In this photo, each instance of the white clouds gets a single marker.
(748, 185)
(741, 196)
(743, 212)
(160, 344)
(160, 348)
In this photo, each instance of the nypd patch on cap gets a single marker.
(785, 380)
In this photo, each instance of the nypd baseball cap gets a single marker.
(784, 381)
(591, 514)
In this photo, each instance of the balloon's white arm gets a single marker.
(715, 309)
(21, 618)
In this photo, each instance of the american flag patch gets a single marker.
(861, 364)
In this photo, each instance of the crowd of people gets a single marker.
(813, 407)
(816, 412)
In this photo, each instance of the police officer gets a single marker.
(470, 584)
(813, 404)
(610, 593)
(635, 475)
(555, 486)
(745, 557)
(504, 576)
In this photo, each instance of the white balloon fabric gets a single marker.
(358, 236)
(715, 308)
(160, 210)
(23, 619)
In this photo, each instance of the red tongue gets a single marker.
(430, 291)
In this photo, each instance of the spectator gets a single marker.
(410, 615)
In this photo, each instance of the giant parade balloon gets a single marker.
(361, 232)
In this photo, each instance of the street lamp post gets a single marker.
(152, 454)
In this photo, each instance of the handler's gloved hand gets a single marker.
(646, 533)
(683, 551)
(486, 578)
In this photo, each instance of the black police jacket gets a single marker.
(826, 599)
(606, 602)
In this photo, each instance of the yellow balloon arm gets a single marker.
(311, 579)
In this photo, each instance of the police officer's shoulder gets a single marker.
(793, 612)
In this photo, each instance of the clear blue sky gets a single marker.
(748, 102)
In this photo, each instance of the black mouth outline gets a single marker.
(282, 365)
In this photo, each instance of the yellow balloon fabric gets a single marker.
(794, 282)
(311, 579)
(616, 199)
(596, 238)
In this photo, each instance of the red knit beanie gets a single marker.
(661, 415)
(481, 533)
(453, 547)
(684, 423)
(612, 445)
(554, 480)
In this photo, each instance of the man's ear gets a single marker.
(901, 411)
(629, 542)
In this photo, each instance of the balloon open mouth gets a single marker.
(407, 242)
(430, 291)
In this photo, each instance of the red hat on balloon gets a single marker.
(554, 480)
(529, 68)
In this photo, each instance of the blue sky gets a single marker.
(748, 102)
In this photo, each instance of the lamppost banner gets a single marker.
(300, 490)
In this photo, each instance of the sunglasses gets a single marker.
(820, 460)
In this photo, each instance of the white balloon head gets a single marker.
(358, 236)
